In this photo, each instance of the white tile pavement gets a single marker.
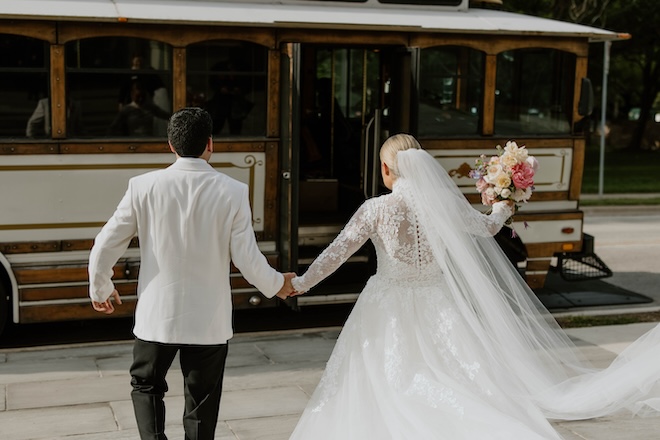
(82, 392)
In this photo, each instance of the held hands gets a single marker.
(287, 289)
(106, 306)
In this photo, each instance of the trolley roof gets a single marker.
(330, 15)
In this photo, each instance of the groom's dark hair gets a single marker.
(188, 130)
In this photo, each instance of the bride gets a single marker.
(446, 341)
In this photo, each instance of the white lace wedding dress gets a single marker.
(410, 362)
(405, 366)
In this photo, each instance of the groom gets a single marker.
(191, 221)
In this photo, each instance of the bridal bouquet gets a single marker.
(507, 176)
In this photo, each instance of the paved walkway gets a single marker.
(81, 392)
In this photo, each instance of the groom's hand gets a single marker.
(106, 306)
(287, 288)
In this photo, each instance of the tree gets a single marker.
(638, 57)
(635, 63)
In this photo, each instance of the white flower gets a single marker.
(490, 192)
(518, 195)
(506, 193)
(522, 195)
(502, 180)
(519, 153)
(494, 170)
(509, 160)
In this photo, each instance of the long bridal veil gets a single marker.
(525, 351)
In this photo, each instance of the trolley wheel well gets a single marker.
(5, 301)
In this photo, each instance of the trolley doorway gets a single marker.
(347, 99)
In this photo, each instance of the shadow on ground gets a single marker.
(561, 294)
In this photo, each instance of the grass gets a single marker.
(615, 201)
(624, 172)
(593, 321)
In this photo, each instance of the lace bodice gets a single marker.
(402, 250)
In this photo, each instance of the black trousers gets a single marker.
(203, 368)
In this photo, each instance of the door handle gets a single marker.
(367, 150)
(371, 154)
(374, 155)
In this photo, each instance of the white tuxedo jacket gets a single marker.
(192, 221)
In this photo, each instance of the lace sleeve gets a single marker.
(488, 224)
(356, 232)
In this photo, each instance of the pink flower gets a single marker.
(488, 197)
(522, 175)
(482, 185)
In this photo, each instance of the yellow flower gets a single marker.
(502, 180)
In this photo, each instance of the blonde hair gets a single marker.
(394, 144)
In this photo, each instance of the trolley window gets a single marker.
(121, 86)
(229, 79)
(534, 91)
(24, 80)
(450, 92)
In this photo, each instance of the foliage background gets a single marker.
(632, 160)
(634, 75)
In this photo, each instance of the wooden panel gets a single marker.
(273, 260)
(331, 36)
(32, 246)
(491, 143)
(179, 67)
(273, 92)
(573, 215)
(179, 36)
(536, 281)
(242, 301)
(71, 312)
(195, 34)
(575, 189)
(51, 246)
(243, 146)
(502, 43)
(578, 46)
(271, 193)
(239, 283)
(580, 72)
(58, 92)
(115, 147)
(537, 265)
(84, 245)
(540, 250)
(68, 274)
(549, 196)
(71, 31)
(488, 111)
(76, 312)
(35, 29)
(69, 292)
(137, 146)
(477, 42)
(13, 148)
